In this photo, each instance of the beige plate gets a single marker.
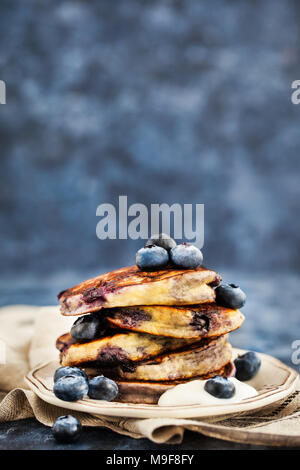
(274, 382)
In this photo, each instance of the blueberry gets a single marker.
(230, 295)
(102, 388)
(163, 240)
(247, 366)
(220, 387)
(63, 371)
(186, 256)
(71, 388)
(152, 257)
(66, 429)
(88, 327)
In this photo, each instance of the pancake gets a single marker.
(149, 392)
(197, 321)
(121, 348)
(198, 359)
(130, 286)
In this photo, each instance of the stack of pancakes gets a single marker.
(161, 328)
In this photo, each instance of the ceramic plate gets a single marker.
(274, 382)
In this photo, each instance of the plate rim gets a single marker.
(140, 410)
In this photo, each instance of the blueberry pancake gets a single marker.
(197, 321)
(131, 286)
(149, 392)
(121, 348)
(198, 359)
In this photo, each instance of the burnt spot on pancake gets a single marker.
(61, 293)
(128, 367)
(200, 322)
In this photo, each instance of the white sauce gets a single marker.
(193, 393)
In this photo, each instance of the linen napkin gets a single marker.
(27, 339)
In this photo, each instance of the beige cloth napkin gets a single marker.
(27, 338)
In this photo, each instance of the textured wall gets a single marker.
(165, 101)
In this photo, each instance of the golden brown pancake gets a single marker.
(149, 392)
(130, 286)
(191, 362)
(197, 321)
(121, 348)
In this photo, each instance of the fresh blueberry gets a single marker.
(66, 429)
(186, 256)
(71, 388)
(88, 327)
(220, 387)
(163, 240)
(152, 257)
(102, 388)
(67, 370)
(230, 295)
(247, 366)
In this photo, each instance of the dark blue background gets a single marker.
(163, 101)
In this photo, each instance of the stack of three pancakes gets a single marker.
(158, 329)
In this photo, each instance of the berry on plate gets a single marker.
(220, 387)
(67, 370)
(247, 365)
(71, 388)
(102, 388)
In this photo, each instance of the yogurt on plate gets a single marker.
(193, 393)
